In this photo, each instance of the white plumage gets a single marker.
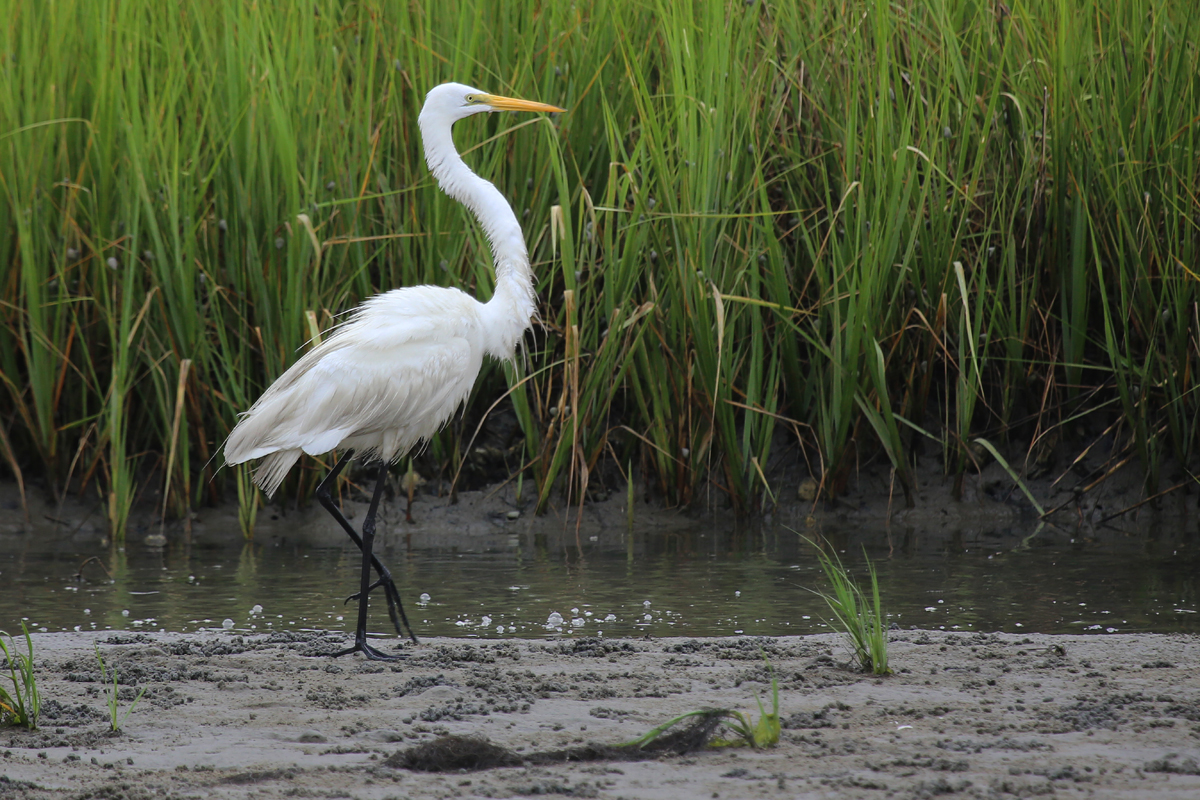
(401, 365)
(387, 378)
(404, 361)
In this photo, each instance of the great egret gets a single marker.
(404, 361)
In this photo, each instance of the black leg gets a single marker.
(395, 607)
(368, 542)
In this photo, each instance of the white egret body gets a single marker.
(401, 365)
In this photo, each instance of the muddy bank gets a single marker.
(965, 715)
(1115, 504)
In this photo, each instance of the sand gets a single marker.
(964, 715)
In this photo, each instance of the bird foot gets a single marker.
(395, 608)
(361, 646)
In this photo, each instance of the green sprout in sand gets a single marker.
(115, 718)
(860, 619)
(24, 703)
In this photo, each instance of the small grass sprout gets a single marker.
(746, 732)
(24, 703)
(115, 718)
(859, 619)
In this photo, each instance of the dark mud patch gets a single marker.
(468, 753)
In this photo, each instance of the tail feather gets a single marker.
(274, 467)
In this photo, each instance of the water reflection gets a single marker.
(696, 581)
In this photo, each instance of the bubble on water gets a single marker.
(610, 618)
(577, 622)
(227, 624)
(424, 598)
(499, 629)
(738, 593)
(125, 613)
(555, 620)
(256, 610)
(486, 622)
(647, 618)
(646, 603)
(87, 611)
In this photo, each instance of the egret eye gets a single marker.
(472, 99)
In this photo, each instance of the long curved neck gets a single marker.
(507, 315)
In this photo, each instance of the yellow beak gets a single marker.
(502, 103)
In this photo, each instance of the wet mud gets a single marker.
(965, 715)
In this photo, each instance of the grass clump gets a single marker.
(860, 618)
(703, 723)
(112, 696)
(23, 704)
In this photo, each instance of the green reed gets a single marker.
(844, 225)
(23, 704)
(857, 615)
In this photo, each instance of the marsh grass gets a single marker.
(23, 704)
(116, 719)
(859, 616)
(835, 224)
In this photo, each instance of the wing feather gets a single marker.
(386, 378)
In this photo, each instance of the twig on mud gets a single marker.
(1081, 492)
(1085, 452)
(1141, 503)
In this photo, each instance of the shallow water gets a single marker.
(694, 582)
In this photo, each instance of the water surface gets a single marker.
(704, 580)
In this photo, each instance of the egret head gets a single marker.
(451, 102)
